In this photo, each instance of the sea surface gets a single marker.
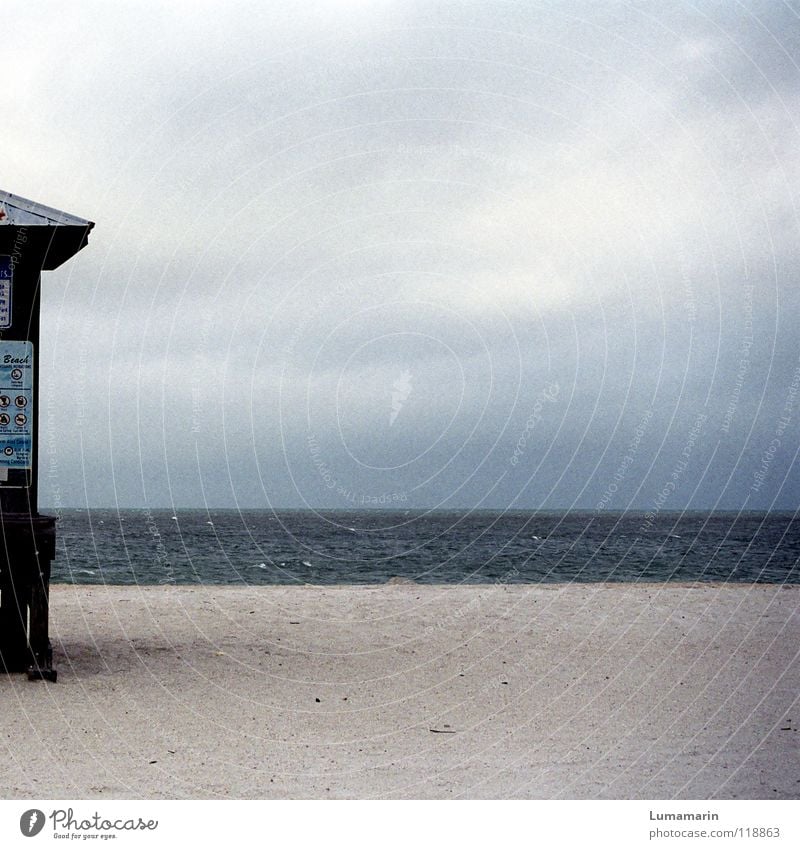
(256, 547)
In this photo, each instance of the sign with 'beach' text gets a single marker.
(16, 404)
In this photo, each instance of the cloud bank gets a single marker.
(567, 230)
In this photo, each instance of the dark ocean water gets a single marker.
(257, 547)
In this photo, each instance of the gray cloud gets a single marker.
(295, 208)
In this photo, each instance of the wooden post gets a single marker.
(28, 547)
(14, 655)
(41, 652)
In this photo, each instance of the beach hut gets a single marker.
(33, 238)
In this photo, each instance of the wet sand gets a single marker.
(405, 691)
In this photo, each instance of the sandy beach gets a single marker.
(405, 691)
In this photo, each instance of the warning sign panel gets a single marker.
(16, 404)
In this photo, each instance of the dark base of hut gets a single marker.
(26, 550)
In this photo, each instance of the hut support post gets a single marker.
(27, 550)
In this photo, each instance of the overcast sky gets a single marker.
(415, 254)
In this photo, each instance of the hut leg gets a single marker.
(41, 650)
(14, 654)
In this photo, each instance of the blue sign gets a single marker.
(16, 405)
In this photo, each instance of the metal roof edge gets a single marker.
(54, 216)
